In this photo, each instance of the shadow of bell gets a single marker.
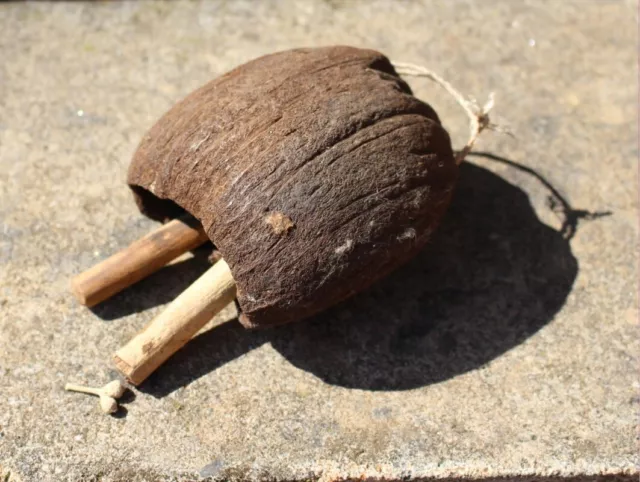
(492, 276)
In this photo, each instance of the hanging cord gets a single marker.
(478, 116)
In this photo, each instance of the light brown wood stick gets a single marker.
(175, 326)
(139, 260)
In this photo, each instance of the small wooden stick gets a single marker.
(139, 260)
(174, 327)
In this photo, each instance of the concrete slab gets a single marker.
(508, 349)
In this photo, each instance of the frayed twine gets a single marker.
(478, 115)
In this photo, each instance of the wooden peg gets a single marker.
(175, 326)
(142, 258)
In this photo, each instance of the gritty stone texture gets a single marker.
(505, 350)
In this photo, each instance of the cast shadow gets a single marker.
(492, 276)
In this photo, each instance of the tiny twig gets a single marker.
(72, 387)
(478, 116)
(108, 394)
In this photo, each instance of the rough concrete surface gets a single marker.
(507, 349)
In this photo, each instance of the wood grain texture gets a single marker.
(138, 260)
(315, 172)
(176, 325)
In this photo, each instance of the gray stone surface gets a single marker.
(504, 350)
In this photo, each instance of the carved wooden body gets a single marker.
(315, 172)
